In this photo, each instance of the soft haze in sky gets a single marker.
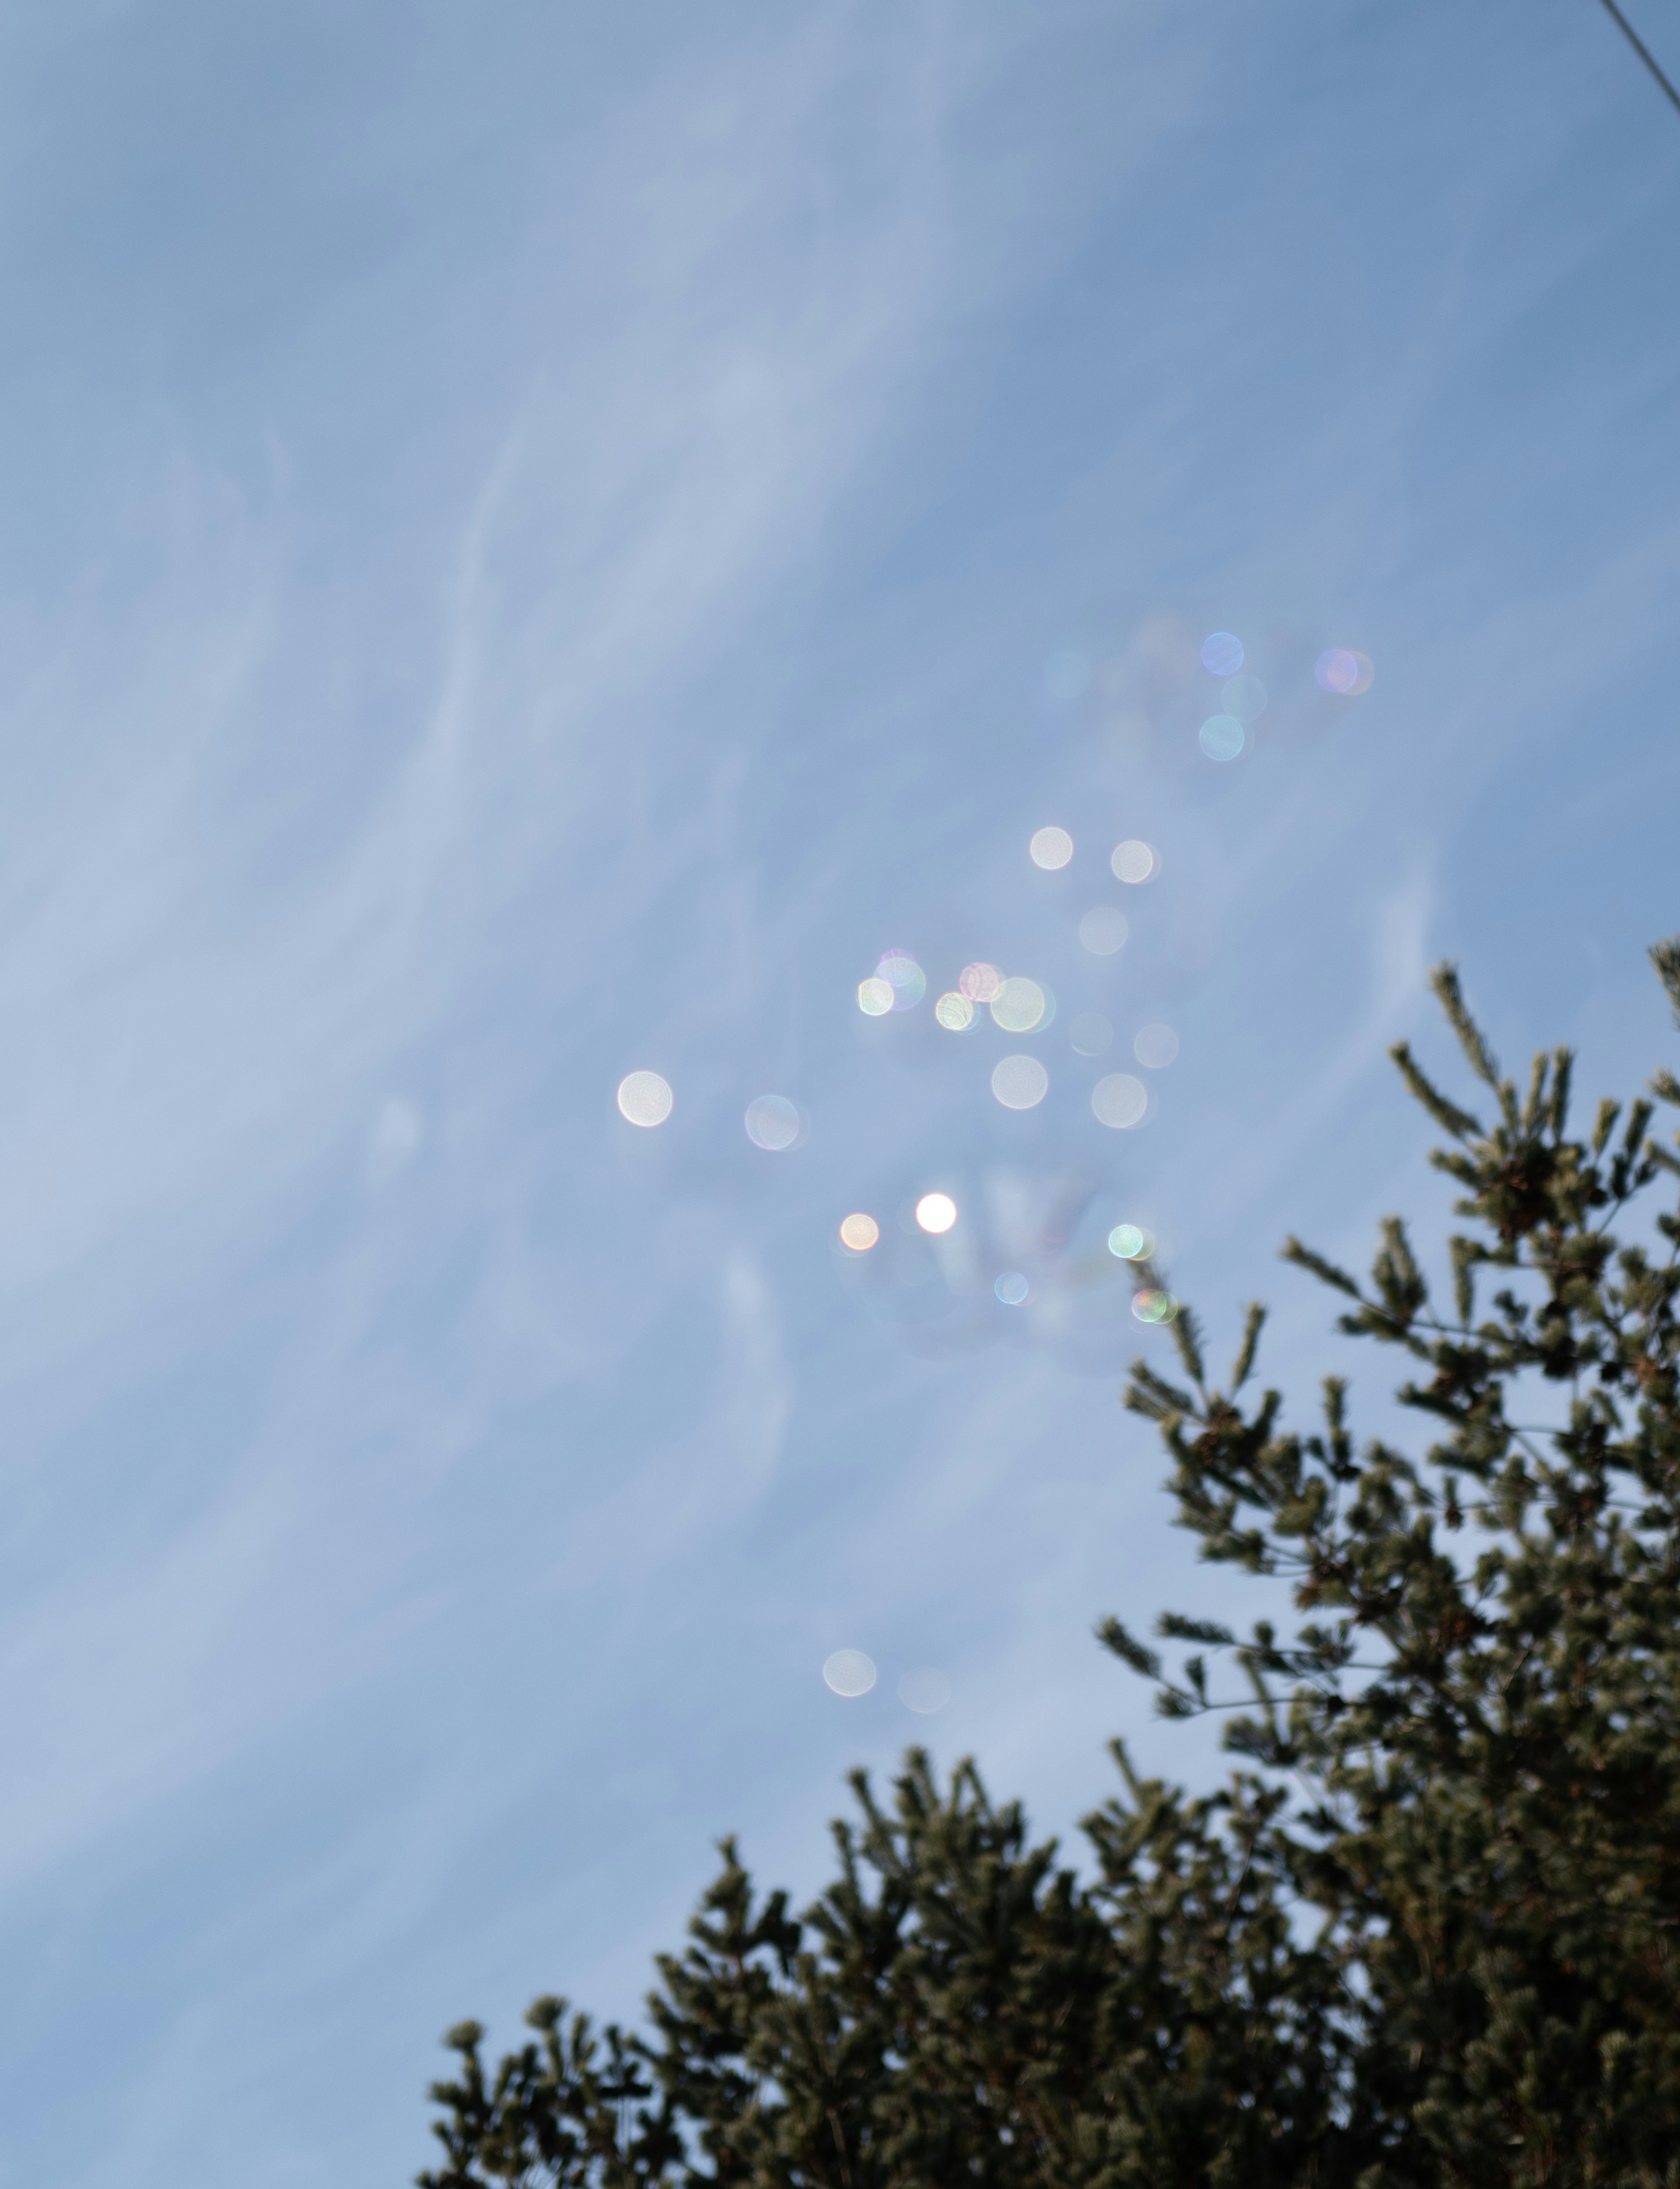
(538, 541)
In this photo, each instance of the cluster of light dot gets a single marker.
(1242, 699)
(1019, 1005)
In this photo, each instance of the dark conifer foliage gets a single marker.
(1428, 1934)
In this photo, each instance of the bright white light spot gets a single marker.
(1103, 931)
(876, 996)
(1154, 1307)
(1020, 1082)
(1118, 1100)
(645, 1097)
(925, 1690)
(1018, 1005)
(1134, 861)
(953, 1011)
(1131, 1242)
(859, 1232)
(774, 1123)
(1050, 848)
(850, 1672)
(1155, 1046)
(936, 1212)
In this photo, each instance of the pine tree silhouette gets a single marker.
(1426, 1933)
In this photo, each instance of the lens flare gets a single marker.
(1020, 1082)
(1103, 931)
(1120, 1101)
(644, 1098)
(1244, 696)
(1154, 1307)
(979, 983)
(1011, 1288)
(1134, 861)
(1221, 737)
(936, 1212)
(1221, 653)
(859, 1232)
(925, 1690)
(774, 1123)
(1155, 1046)
(1018, 1005)
(1090, 1034)
(1131, 1242)
(875, 996)
(1344, 672)
(850, 1672)
(953, 1011)
(1050, 848)
(906, 979)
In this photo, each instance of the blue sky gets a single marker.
(537, 542)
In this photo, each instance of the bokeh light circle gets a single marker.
(1011, 1288)
(1344, 672)
(1090, 1034)
(875, 996)
(644, 1098)
(1120, 1101)
(774, 1123)
(953, 1011)
(1131, 1242)
(1018, 1005)
(1020, 1082)
(1221, 653)
(925, 1690)
(1050, 848)
(1134, 861)
(859, 1231)
(908, 982)
(1155, 1046)
(1221, 737)
(979, 982)
(850, 1672)
(1244, 696)
(1152, 1307)
(1103, 931)
(936, 1212)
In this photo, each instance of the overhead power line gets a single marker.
(1643, 51)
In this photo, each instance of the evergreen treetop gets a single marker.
(1426, 1934)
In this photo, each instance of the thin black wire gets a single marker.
(1643, 51)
